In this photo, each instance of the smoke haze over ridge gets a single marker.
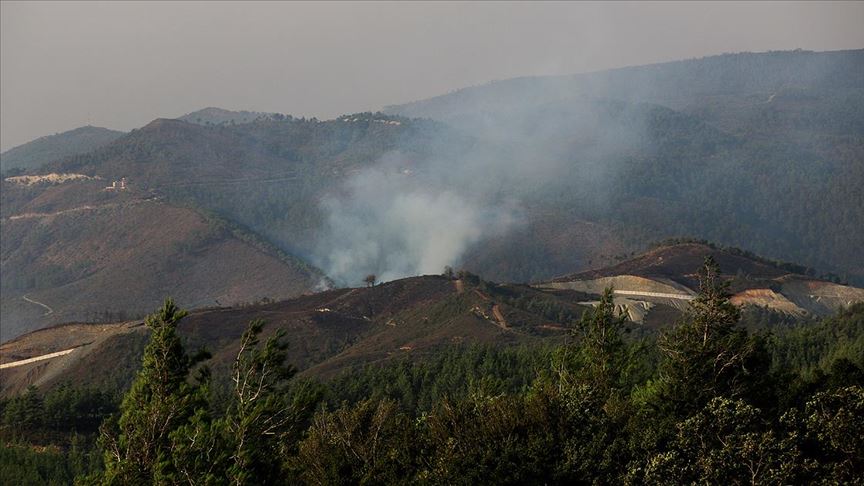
(122, 64)
(399, 218)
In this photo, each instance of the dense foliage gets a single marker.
(707, 401)
(49, 438)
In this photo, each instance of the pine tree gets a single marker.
(708, 354)
(602, 351)
(259, 418)
(138, 449)
(260, 426)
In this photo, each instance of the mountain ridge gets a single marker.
(578, 184)
(213, 115)
(43, 150)
(594, 79)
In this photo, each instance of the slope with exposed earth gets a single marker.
(341, 329)
(665, 276)
(72, 250)
(327, 331)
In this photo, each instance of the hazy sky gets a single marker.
(122, 64)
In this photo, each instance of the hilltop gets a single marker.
(35, 154)
(329, 331)
(219, 116)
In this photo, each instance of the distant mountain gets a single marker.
(520, 180)
(41, 151)
(756, 150)
(761, 151)
(219, 116)
(715, 87)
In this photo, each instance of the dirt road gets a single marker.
(36, 358)
(40, 304)
(78, 209)
(664, 295)
(496, 312)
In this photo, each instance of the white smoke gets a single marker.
(409, 215)
(393, 223)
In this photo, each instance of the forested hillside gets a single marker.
(761, 151)
(601, 407)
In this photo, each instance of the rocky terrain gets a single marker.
(661, 277)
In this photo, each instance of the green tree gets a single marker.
(728, 442)
(708, 355)
(25, 412)
(260, 426)
(137, 447)
(602, 353)
(370, 442)
(260, 420)
(835, 420)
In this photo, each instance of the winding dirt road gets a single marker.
(40, 304)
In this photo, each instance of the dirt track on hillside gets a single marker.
(78, 209)
(496, 311)
(36, 358)
(40, 304)
(630, 285)
(283, 178)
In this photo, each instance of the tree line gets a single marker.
(705, 401)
